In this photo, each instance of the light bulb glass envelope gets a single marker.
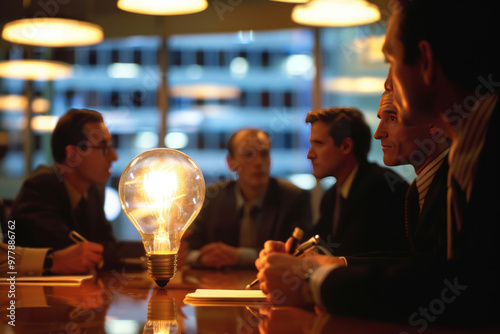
(162, 191)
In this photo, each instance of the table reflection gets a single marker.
(129, 302)
(162, 314)
(60, 309)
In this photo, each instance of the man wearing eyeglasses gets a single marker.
(69, 195)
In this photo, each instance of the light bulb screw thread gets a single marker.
(162, 267)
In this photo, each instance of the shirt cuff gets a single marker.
(32, 261)
(248, 257)
(317, 278)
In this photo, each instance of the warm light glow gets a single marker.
(18, 103)
(291, 1)
(160, 187)
(360, 85)
(163, 7)
(205, 91)
(52, 32)
(35, 70)
(44, 124)
(299, 64)
(335, 13)
(161, 192)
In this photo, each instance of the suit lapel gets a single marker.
(355, 193)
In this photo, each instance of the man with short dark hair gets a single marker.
(239, 216)
(69, 195)
(364, 210)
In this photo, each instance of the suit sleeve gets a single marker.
(39, 214)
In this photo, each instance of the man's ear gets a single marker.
(231, 163)
(428, 64)
(347, 145)
(71, 153)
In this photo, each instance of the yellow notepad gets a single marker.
(214, 297)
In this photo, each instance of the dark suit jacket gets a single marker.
(285, 207)
(463, 291)
(372, 216)
(44, 217)
(425, 230)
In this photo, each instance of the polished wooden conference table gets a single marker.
(128, 301)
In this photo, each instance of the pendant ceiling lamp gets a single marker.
(163, 7)
(335, 13)
(38, 70)
(52, 32)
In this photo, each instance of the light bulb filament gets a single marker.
(160, 187)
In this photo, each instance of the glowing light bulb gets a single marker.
(162, 191)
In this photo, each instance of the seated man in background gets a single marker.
(364, 210)
(69, 195)
(239, 216)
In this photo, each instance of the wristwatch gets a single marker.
(48, 263)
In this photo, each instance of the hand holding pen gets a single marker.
(78, 238)
(312, 242)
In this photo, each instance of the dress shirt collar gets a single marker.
(74, 196)
(346, 187)
(240, 200)
(430, 169)
(426, 175)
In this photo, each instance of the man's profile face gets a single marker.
(95, 163)
(326, 158)
(399, 142)
(251, 158)
(411, 96)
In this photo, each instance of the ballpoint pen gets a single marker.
(302, 248)
(77, 237)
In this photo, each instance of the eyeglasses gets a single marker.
(105, 148)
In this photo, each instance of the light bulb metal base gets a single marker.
(162, 267)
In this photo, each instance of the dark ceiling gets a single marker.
(220, 16)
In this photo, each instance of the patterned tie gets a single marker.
(248, 228)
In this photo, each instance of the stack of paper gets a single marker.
(48, 280)
(213, 297)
